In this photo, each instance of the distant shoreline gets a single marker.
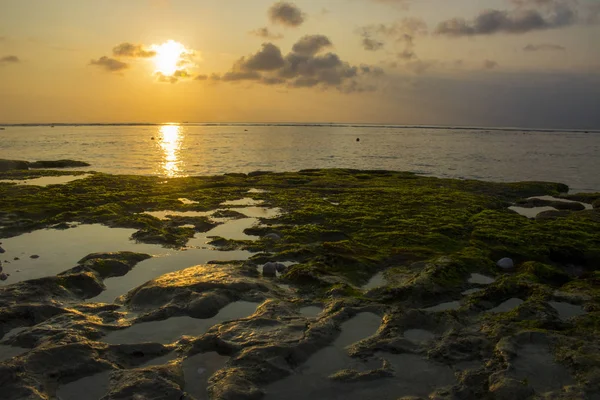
(316, 125)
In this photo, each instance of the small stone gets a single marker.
(506, 263)
(3, 277)
(272, 236)
(270, 269)
(34, 256)
(16, 258)
(2, 250)
(280, 267)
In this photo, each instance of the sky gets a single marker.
(509, 63)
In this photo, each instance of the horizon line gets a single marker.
(300, 124)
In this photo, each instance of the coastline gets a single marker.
(337, 229)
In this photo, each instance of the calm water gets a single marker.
(179, 150)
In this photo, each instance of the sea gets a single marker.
(174, 150)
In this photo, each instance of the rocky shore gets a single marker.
(361, 284)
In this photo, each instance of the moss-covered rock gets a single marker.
(58, 164)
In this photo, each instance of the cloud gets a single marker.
(132, 50)
(404, 4)
(287, 14)
(370, 44)
(593, 14)
(232, 76)
(166, 78)
(175, 77)
(110, 64)
(311, 44)
(267, 59)
(201, 77)
(304, 67)
(553, 16)
(489, 64)
(265, 33)
(544, 47)
(9, 60)
(402, 32)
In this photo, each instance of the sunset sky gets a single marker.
(528, 63)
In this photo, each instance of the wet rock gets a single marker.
(273, 322)
(272, 236)
(504, 388)
(461, 346)
(66, 361)
(506, 263)
(280, 267)
(352, 375)
(180, 287)
(58, 164)
(57, 329)
(69, 286)
(270, 269)
(551, 214)
(229, 384)
(3, 276)
(164, 381)
(559, 205)
(129, 257)
(8, 165)
(207, 305)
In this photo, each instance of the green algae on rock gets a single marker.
(340, 228)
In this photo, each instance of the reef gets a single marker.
(363, 284)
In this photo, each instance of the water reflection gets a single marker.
(170, 141)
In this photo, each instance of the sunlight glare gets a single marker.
(168, 57)
(170, 144)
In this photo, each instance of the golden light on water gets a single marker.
(169, 57)
(170, 142)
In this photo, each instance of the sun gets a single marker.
(169, 57)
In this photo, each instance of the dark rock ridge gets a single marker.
(7, 165)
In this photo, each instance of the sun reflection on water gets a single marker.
(170, 142)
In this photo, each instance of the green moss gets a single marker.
(384, 219)
(545, 273)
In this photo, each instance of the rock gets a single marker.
(128, 257)
(3, 276)
(68, 286)
(2, 250)
(16, 259)
(207, 305)
(280, 267)
(58, 164)
(180, 286)
(270, 269)
(272, 236)
(159, 382)
(503, 388)
(506, 263)
(551, 214)
(34, 256)
(8, 165)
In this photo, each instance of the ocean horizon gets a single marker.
(172, 150)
